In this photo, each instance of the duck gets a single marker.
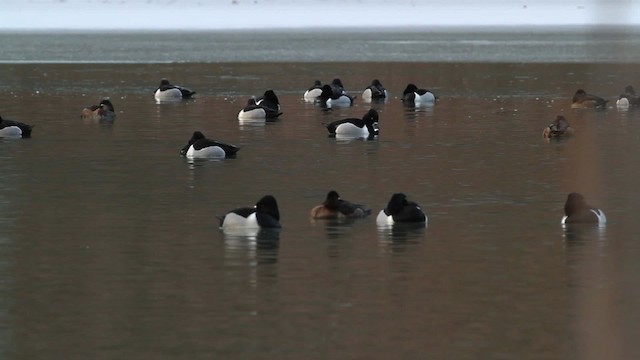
(628, 98)
(367, 127)
(577, 211)
(375, 91)
(400, 210)
(413, 96)
(334, 207)
(582, 100)
(104, 111)
(199, 147)
(264, 214)
(329, 98)
(337, 88)
(558, 128)
(14, 129)
(168, 92)
(623, 102)
(264, 107)
(313, 92)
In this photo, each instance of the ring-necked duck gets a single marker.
(367, 127)
(576, 210)
(334, 207)
(168, 92)
(375, 91)
(199, 147)
(264, 214)
(14, 129)
(558, 128)
(582, 100)
(413, 96)
(399, 210)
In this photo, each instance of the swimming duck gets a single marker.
(413, 96)
(628, 98)
(399, 210)
(264, 214)
(313, 92)
(337, 88)
(375, 91)
(558, 128)
(582, 100)
(576, 210)
(334, 207)
(104, 111)
(168, 92)
(14, 129)
(199, 147)
(367, 127)
(328, 98)
(265, 107)
(623, 102)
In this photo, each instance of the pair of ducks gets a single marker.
(105, 111)
(200, 147)
(399, 210)
(265, 213)
(581, 99)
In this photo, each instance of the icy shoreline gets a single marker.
(299, 14)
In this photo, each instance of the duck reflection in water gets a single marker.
(398, 237)
(261, 245)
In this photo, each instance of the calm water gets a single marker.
(109, 246)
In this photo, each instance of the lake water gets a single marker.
(110, 249)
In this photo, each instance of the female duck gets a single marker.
(582, 100)
(559, 128)
(413, 96)
(399, 210)
(334, 207)
(168, 92)
(367, 127)
(265, 107)
(577, 211)
(375, 91)
(264, 214)
(14, 129)
(199, 147)
(104, 111)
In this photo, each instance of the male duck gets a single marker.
(263, 215)
(576, 210)
(582, 100)
(375, 91)
(367, 127)
(628, 98)
(14, 129)
(413, 96)
(558, 128)
(265, 107)
(334, 207)
(313, 92)
(337, 88)
(199, 147)
(168, 92)
(104, 111)
(329, 98)
(399, 210)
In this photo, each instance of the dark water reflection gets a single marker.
(109, 245)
